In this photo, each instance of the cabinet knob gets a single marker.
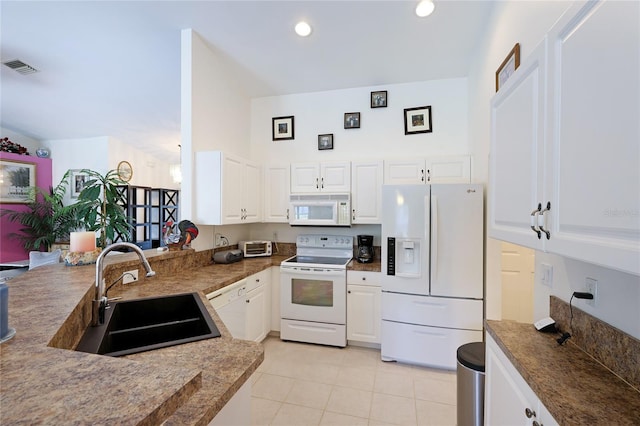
(348, 291)
(248, 301)
(364, 278)
(535, 221)
(529, 413)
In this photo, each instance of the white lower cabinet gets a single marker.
(508, 399)
(364, 294)
(245, 306)
(258, 301)
(236, 412)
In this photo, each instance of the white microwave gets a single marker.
(320, 209)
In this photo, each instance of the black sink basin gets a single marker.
(140, 325)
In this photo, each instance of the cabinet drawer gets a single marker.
(364, 278)
(433, 311)
(417, 344)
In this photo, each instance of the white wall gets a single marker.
(618, 293)
(215, 116)
(381, 133)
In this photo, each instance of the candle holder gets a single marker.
(80, 258)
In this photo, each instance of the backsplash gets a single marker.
(615, 349)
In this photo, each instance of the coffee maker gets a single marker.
(365, 252)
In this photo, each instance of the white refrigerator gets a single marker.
(432, 271)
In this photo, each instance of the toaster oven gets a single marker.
(255, 248)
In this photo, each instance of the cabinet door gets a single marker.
(256, 306)
(366, 191)
(593, 173)
(507, 395)
(400, 172)
(517, 146)
(305, 177)
(335, 177)
(252, 193)
(451, 169)
(232, 183)
(363, 313)
(276, 194)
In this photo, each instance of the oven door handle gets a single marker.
(312, 271)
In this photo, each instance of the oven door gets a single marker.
(313, 294)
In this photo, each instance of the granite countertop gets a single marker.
(574, 387)
(44, 381)
(375, 266)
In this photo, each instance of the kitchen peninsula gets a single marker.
(45, 381)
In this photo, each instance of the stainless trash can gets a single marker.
(470, 376)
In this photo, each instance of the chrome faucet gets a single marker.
(100, 300)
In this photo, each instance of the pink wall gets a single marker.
(11, 249)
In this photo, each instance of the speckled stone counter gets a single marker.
(374, 266)
(43, 381)
(574, 387)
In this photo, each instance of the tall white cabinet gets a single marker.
(565, 151)
(227, 189)
(366, 192)
(276, 193)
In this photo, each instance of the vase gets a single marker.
(42, 152)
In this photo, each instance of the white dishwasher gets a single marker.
(230, 304)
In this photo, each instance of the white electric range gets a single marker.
(313, 292)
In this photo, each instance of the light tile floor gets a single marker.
(303, 384)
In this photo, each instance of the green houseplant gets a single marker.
(47, 220)
(99, 209)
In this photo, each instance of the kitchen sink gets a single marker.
(139, 325)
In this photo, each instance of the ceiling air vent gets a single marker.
(20, 67)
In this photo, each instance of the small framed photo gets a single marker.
(282, 128)
(417, 120)
(379, 99)
(325, 141)
(18, 177)
(351, 120)
(508, 66)
(78, 180)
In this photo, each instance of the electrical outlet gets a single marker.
(130, 276)
(547, 274)
(218, 238)
(591, 287)
(275, 237)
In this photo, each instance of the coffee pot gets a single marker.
(365, 253)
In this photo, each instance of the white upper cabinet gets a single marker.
(321, 177)
(227, 189)
(366, 191)
(517, 146)
(577, 180)
(593, 139)
(276, 193)
(448, 169)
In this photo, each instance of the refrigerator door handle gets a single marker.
(434, 236)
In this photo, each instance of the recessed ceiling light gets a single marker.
(425, 8)
(303, 29)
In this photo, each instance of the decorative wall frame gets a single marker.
(18, 177)
(325, 141)
(77, 181)
(282, 128)
(351, 120)
(508, 66)
(417, 120)
(379, 99)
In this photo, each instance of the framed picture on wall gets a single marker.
(282, 128)
(379, 99)
(351, 120)
(417, 120)
(325, 141)
(508, 66)
(18, 178)
(77, 181)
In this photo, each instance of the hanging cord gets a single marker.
(566, 336)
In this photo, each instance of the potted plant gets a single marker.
(47, 220)
(99, 209)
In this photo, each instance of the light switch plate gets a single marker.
(546, 272)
